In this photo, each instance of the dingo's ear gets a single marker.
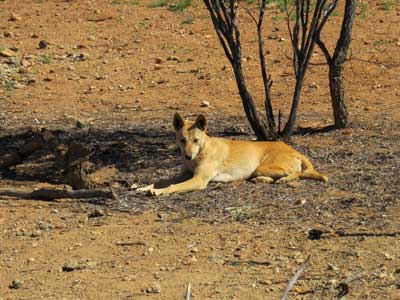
(178, 122)
(201, 122)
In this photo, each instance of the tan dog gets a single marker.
(208, 159)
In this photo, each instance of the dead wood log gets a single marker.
(40, 139)
(72, 159)
(52, 194)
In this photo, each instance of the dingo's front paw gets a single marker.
(158, 192)
(146, 188)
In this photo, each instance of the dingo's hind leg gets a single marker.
(268, 173)
(288, 178)
(262, 179)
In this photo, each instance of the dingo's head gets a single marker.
(190, 136)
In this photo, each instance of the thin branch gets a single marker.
(293, 281)
(324, 50)
(188, 291)
(266, 79)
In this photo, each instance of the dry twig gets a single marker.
(293, 281)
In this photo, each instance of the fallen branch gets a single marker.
(139, 243)
(293, 281)
(53, 194)
(188, 291)
(342, 233)
(100, 19)
(247, 262)
(72, 158)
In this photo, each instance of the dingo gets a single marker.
(208, 159)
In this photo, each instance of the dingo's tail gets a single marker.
(309, 172)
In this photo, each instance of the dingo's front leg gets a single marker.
(194, 184)
(163, 184)
(146, 188)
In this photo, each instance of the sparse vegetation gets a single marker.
(131, 2)
(387, 5)
(188, 20)
(362, 9)
(384, 42)
(9, 86)
(158, 3)
(180, 6)
(46, 59)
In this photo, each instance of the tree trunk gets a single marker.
(289, 127)
(258, 125)
(336, 87)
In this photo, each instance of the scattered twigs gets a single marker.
(342, 233)
(188, 291)
(100, 19)
(53, 194)
(247, 262)
(293, 281)
(138, 243)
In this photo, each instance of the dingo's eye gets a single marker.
(183, 140)
(195, 140)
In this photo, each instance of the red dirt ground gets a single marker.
(233, 241)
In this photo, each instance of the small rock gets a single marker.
(300, 201)
(173, 58)
(332, 267)
(26, 63)
(7, 53)
(43, 44)
(313, 85)
(294, 184)
(91, 38)
(15, 284)
(205, 103)
(96, 213)
(154, 289)
(157, 67)
(34, 36)
(194, 250)
(36, 233)
(158, 60)
(315, 234)
(14, 17)
(69, 267)
(7, 34)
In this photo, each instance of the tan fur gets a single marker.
(206, 159)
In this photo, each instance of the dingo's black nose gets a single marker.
(188, 157)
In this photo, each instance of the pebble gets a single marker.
(15, 284)
(205, 103)
(300, 201)
(36, 233)
(7, 53)
(173, 58)
(153, 289)
(158, 60)
(96, 213)
(43, 44)
(14, 17)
